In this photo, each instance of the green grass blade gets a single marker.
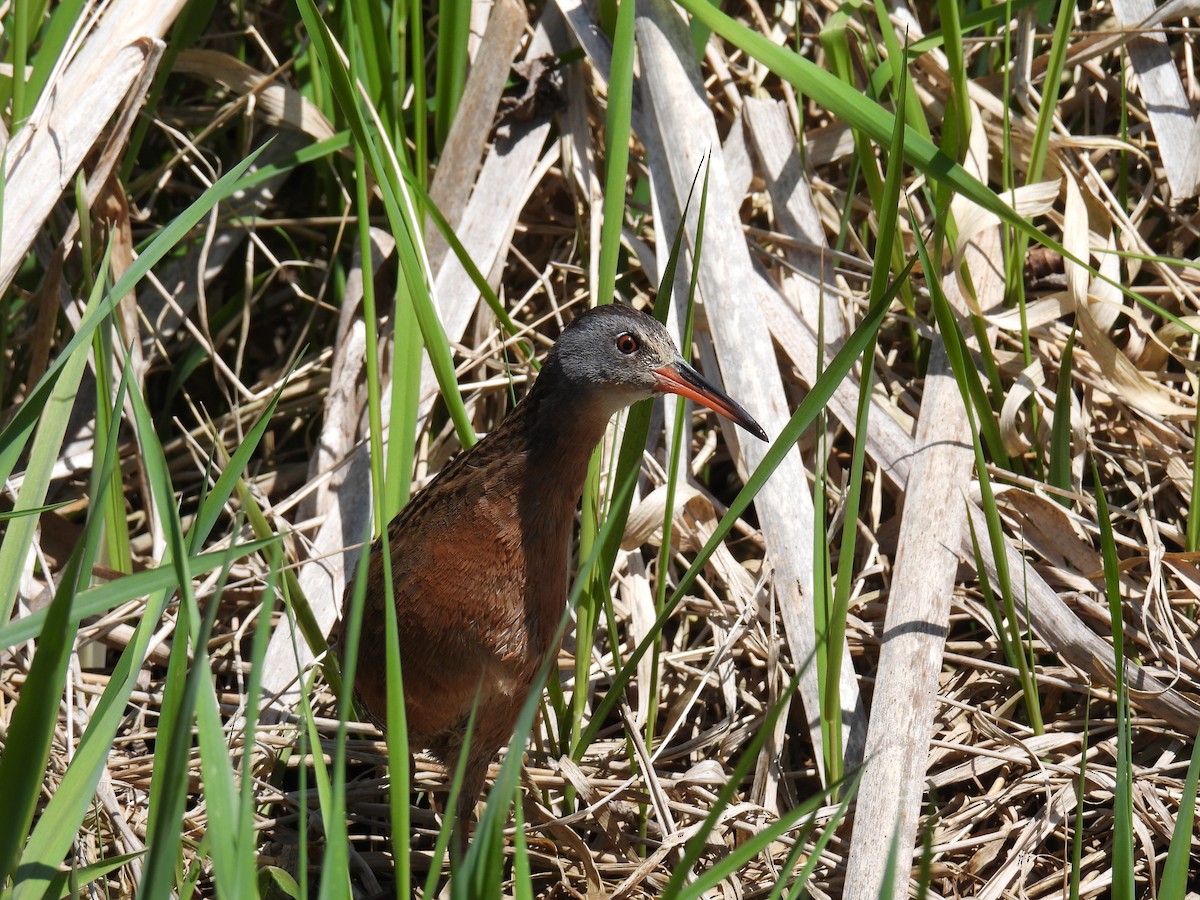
(896, 71)
(617, 128)
(1080, 797)
(397, 739)
(956, 126)
(1174, 883)
(616, 143)
(420, 107)
(675, 457)
(31, 727)
(800, 881)
(248, 834)
(834, 637)
(169, 780)
(335, 868)
(454, 22)
(374, 58)
(1059, 474)
(522, 875)
(8, 514)
(960, 364)
(750, 848)
(698, 843)
(1123, 860)
(332, 793)
(71, 884)
(104, 597)
(51, 42)
(233, 866)
(53, 415)
(997, 15)
(117, 554)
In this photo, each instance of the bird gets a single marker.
(479, 557)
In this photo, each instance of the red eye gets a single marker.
(627, 343)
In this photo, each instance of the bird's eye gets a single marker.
(627, 343)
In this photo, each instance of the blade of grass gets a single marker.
(248, 834)
(31, 727)
(233, 849)
(1080, 797)
(335, 870)
(959, 363)
(800, 882)
(72, 883)
(373, 60)
(19, 40)
(617, 130)
(522, 875)
(420, 94)
(1174, 883)
(1037, 162)
(8, 514)
(454, 21)
(446, 832)
(169, 778)
(676, 452)
(391, 481)
(51, 41)
(117, 554)
(53, 416)
(335, 867)
(834, 637)
(397, 735)
(1060, 429)
(233, 865)
(760, 841)
(698, 843)
(1123, 860)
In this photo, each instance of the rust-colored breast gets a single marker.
(479, 567)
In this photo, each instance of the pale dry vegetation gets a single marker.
(259, 309)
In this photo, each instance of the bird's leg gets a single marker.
(474, 778)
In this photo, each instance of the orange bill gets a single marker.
(680, 378)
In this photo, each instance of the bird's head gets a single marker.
(615, 355)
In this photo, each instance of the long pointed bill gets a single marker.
(680, 378)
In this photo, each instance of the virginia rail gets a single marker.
(479, 557)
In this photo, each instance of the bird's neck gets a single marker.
(562, 428)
